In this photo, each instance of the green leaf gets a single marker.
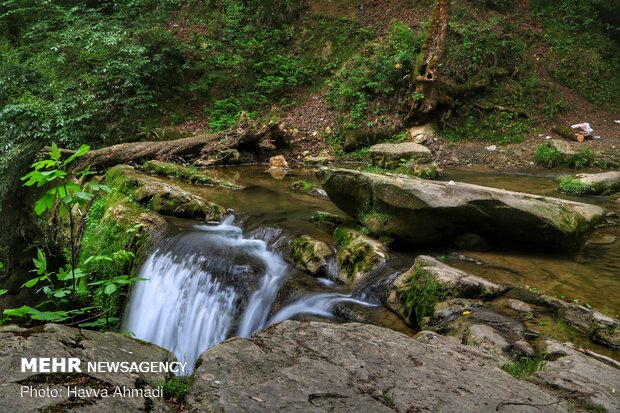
(83, 150)
(18, 312)
(55, 153)
(44, 203)
(1, 265)
(2, 292)
(31, 283)
(110, 288)
(84, 196)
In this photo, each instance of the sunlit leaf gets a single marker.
(110, 288)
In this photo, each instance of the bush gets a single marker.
(573, 186)
(547, 155)
(176, 388)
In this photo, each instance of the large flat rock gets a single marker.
(318, 367)
(422, 211)
(89, 346)
(392, 155)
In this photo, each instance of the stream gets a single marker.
(209, 282)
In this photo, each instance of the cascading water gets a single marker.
(194, 292)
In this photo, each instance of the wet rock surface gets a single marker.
(392, 155)
(358, 255)
(601, 183)
(61, 341)
(422, 211)
(311, 255)
(318, 367)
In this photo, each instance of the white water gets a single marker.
(318, 304)
(195, 286)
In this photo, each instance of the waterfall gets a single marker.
(191, 297)
(206, 280)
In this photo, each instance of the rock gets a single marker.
(317, 367)
(89, 346)
(510, 328)
(414, 294)
(586, 378)
(486, 337)
(367, 136)
(278, 162)
(393, 155)
(447, 311)
(311, 255)
(566, 148)
(607, 239)
(162, 196)
(471, 242)
(358, 255)
(604, 183)
(600, 327)
(326, 218)
(615, 197)
(524, 348)
(518, 306)
(421, 134)
(316, 160)
(421, 211)
(308, 188)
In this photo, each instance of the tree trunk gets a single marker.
(244, 137)
(427, 77)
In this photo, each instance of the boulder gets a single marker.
(600, 327)
(488, 338)
(326, 219)
(421, 134)
(314, 367)
(602, 183)
(567, 149)
(358, 255)
(590, 381)
(278, 162)
(89, 346)
(518, 306)
(311, 255)
(317, 160)
(414, 294)
(162, 196)
(422, 211)
(308, 188)
(393, 155)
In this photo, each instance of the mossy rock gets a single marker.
(311, 255)
(358, 255)
(161, 196)
(186, 173)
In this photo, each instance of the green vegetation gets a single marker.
(364, 91)
(186, 173)
(303, 186)
(418, 296)
(89, 288)
(524, 366)
(573, 186)
(548, 156)
(176, 388)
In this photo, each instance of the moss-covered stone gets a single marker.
(186, 173)
(311, 255)
(358, 255)
(162, 197)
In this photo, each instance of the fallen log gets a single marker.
(245, 137)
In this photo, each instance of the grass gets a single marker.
(175, 388)
(303, 186)
(548, 156)
(524, 366)
(573, 186)
(418, 296)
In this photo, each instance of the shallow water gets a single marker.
(269, 213)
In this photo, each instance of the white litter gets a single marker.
(597, 137)
(547, 137)
(491, 148)
(584, 127)
(451, 183)
(617, 121)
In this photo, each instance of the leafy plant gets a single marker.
(547, 155)
(175, 388)
(573, 186)
(419, 294)
(66, 191)
(524, 366)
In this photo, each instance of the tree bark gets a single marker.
(427, 77)
(243, 137)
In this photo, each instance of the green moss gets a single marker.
(524, 366)
(175, 388)
(418, 296)
(303, 186)
(375, 220)
(573, 186)
(548, 156)
(185, 173)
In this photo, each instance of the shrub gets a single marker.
(547, 155)
(573, 186)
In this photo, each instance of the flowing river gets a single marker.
(207, 283)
